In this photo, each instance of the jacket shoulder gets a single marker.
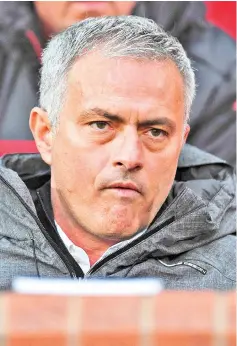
(210, 48)
(218, 257)
(192, 156)
(13, 190)
(173, 16)
(14, 16)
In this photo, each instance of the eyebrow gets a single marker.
(119, 119)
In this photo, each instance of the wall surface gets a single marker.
(168, 319)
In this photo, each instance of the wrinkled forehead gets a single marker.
(97, 81)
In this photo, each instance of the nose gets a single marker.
(127, 151)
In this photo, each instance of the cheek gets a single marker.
(58, 16)
(162, 170)
(125, 7)
(76, 171)
(66, 16)
(76, 165)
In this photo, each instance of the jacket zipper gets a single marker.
(185, 263)
(59, 253)
(59, 239)
(127, 247)
(63, 257)
(98, 265)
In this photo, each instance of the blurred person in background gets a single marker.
(26, 26)
(119, 199)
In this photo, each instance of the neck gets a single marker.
(94, 246)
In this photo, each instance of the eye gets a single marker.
(99, 125)
(157, 133)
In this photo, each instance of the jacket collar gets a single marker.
(200, 204)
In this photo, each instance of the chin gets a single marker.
(121, 230)
(121, 222)
(117, 237)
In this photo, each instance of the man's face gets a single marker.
(115, 152)
(58, 15)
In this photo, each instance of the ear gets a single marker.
(186, 133)
(42, 132)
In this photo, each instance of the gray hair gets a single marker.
(122, 36)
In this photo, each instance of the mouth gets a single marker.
(124, 189)
(124, 185)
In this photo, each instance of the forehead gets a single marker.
(125, 82)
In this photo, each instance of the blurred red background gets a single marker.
(223, 15)
(219, 13)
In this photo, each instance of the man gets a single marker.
(115, 98)
(26, 26)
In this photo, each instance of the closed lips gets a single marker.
(128, 186)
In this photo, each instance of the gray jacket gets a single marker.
(190, 244)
